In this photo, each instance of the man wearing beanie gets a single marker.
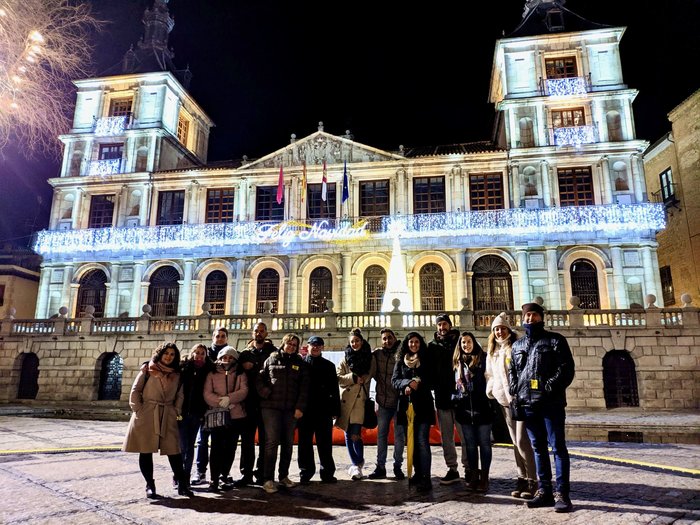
(541, 369)
(441, 350)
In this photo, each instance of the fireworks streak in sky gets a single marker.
(44, 44)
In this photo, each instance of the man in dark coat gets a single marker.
(323, 406)
(541, 369)
(251, 359)
(440, 350)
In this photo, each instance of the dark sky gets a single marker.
(390, 73)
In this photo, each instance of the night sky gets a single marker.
(390, 73)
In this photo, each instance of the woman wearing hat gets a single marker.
(498, 358)
(226, 388)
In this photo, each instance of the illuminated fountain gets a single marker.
(396, 285)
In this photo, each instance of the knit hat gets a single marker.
(228, 350)
(501, 320)
(443, 317)
(533, 307)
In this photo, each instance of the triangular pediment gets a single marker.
(320, 146)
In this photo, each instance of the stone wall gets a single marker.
(667, 362)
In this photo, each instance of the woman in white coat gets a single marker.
(156, 403)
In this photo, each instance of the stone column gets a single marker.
(184, 304)
(346, 296)
(112, 302)
(553, 291)
(650, 279)
(523, 281)
(136, 288)
(251, 202)
(460, 280)
(618, 279)
(77, 209)
(541, 126)
(144, 207)
(546, 185)
(242, 199)
(238, 308)
(293, 299)
(55, 209)
(607, 183)
(515, 181)
(401, 197)
(42, 303)
(638, 176)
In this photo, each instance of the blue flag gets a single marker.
(346, 191)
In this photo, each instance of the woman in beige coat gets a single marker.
(498, 356)
(354, 374)
(156, 402)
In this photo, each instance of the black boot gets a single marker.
(543, 498)
(183, 487)
(151, 489)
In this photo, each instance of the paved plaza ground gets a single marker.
(70, 471)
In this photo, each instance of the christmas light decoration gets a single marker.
(564, 87)
(104, 167)
(43, 45)
(491, 227)
(108, 126)
(574, 136)
(396, 284)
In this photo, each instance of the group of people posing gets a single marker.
(275, 391)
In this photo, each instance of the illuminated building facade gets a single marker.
(555, 207)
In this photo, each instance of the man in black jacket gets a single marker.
(441, 350)
(541, 369)
(251, 360)
(323, 406)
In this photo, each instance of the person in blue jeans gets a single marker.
(387, 399)
(472, 408)
(541, 369)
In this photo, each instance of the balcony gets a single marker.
(565, 87)
(574, 136)
(110, 126)
(667, 196)
(493, 228)
(104, 167)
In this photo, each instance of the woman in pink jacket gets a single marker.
(226, 387)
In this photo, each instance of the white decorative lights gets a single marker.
(610, 220)
(104, 167)
(108, 126)
(574, 136)
(564, 87)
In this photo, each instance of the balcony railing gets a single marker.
(105, 167)
(494, 224)
(564, 87)
(574, 135)
(329, 322)
(110, 126)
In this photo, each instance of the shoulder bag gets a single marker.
(370, 419)
(218, 417)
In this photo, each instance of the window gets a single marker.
(120, 107)
(183, 127)
(429, 195)
(320, 289)
(485, 191)
(316, 208)
(171, 207)
(215, 292)
(668, 192)
(432, 287)
(101, 211)
(164, 291)
(492, 285)
(374, 198)
(28, 376)
(111, 377)
(266, 207)
(555, 20)
(110, 151)
(575, 187)
(375, 285)
(268, 289)
(667, 285)
(568, 118)
(2, 294)
(619, 380)
(584, 283)
(562, 67)
(92, 292)
(220, 205)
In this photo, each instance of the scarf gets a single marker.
(165, 374)
(411, 360)
(463, 379)
(359, 361)
(534, 330)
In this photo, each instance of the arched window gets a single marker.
(111, 377)
(492, 285)
(320, 289)
(432, 287)
(375, 285)
(619, 380)
(614, 123)
(164, 291)
(584, 283)
(92, 292)
(268, 290)
(215, 292)
(28, 377)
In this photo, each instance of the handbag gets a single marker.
(370, 418)
(218, 417)
(517, 411)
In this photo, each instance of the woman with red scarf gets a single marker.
(156, 403)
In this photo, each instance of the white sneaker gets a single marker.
(359, 470)
(270, 487)
(287, 483)
(355, 472)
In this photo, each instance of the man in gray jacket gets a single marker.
(387, 399)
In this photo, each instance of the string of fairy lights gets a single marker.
(497, 225)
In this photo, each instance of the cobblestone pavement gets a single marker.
(99, 484)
